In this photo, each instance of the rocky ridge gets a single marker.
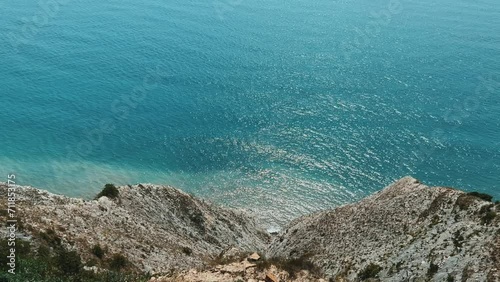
(406, 232)
(159, 229)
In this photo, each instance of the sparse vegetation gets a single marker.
(221, 259)
(55, 265)
(50, 237)
(43, 251)
(464, 201)
(118, 262)
(370, 271)
(435, 206)
(23, 248)
(109, 191)
(3, 211)
(98, 251)
(433, 269)
(488, 217)
(187, 251)
(485, 209)
(482, 196)
(33, 269)
(292, 266)
(69, 262)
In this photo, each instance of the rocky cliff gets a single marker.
(158, 229)
(405, 232)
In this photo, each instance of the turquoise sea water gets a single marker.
(281, 107)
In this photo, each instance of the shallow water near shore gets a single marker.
(280, 108)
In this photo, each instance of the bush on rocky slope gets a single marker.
(483, 196)
(56, 265)
(109, 191)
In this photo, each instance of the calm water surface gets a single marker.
(281, 107)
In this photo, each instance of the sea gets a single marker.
(281, 108)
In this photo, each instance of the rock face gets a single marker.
(406, 232)
(158, 228)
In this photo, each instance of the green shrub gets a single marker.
(43, 270)
(92, 262)
(109, 191)
(62, 267)
(118, 261)
(68, 262)
(3, 211)
(187, 250)
(98, 251)
(464, 201)
(485, 209)
(23, 249)
(370, 271)
(488, 217)
(43, 252)
(433, 269)
(51, 238)
(32, 269)
(482, 196)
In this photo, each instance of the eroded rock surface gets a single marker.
(406, 232)
(158, 228)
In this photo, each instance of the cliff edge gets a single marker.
(406, 232)
(158, 229)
